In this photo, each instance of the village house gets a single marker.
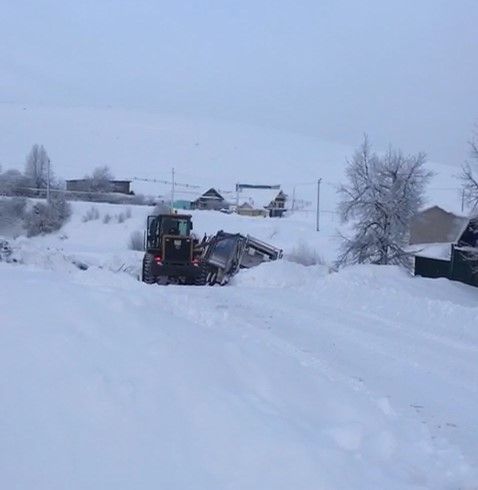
(210, 200)
(445, 245)
(277, 205)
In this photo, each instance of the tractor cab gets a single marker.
(170, 250)
(173, 225)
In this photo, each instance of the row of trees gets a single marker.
(41, 217)
(381, 195)
(38, 174)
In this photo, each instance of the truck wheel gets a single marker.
(148, 276)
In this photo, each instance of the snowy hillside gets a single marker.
(288, 378)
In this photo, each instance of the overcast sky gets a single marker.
(405, 72)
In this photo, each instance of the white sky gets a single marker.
(404, 71)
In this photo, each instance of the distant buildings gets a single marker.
(249, 200)
(261, 200)
(85, 185)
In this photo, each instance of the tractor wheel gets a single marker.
(148, 276)
(202, 277)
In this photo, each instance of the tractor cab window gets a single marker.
(180, 227)
(184, 227)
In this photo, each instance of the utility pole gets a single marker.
(172, 189)
(318, 204)
(48, 181)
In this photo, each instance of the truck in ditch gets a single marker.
(173, 254)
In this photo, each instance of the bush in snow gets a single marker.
(12, 213)
(161, 208)
(136, 241)
(123, 216)
(106, 218)
(91, 215)
(141, 199)
(5, 251)
(380, 198)
(304, 254)
(13, 183)
(47, 217)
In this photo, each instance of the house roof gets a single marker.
(211, 194)
(114, 181)
(435, 225)
(441, 251)
(245, 205)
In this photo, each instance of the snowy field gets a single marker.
(291, 377)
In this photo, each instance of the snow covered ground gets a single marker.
(289, 378)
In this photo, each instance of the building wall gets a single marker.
(252, 212)
(120, 186)
(209, 204)
(464, 267)
(82, 185)
(76, 185)
(433, 268)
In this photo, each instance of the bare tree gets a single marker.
(36, 168)
(380, 198)
(468, 180)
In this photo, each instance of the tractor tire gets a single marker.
(148, 276)
(202, 277)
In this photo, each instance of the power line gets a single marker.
(167, 182)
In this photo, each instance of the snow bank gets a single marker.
(280, 274)
(127, 386)
(289, 378)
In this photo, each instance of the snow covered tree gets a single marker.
(380, 198)
(47, 217)
(12, 213)
(100, 180)
(468, 179)
(36, 168)
(13, 183)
